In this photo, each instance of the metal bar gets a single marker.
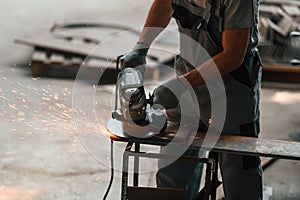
(208, 182)
(239, 145)
(112, 169)
(136, 165)
(269, 163)
(163, 156)
(117, 84)
(125, 171)
(215, 181)
(93, 25)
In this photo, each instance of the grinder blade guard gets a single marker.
(132, 95)
(135, 117)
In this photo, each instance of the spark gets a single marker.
(97, 179)
(13, 106)
(56, 97)
(46, 98)
(20, 113)
(20, 119)
(35, 78)
(15, 90)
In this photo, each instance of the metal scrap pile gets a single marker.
(280, 31)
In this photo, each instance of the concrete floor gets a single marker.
(47, 152)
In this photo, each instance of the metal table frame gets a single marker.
(211, 176)
(240, 145)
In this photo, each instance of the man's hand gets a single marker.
(167, 94)
(135, 58)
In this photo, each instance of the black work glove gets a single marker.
(167, 94)
(135, 58)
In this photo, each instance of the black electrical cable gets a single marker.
(111, 168)
(111, 141)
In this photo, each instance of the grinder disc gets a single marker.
(115, 127)
(157, 123)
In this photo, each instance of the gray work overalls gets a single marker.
(241, 175)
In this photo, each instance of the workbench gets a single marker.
(225, 144)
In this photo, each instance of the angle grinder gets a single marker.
(134, 115)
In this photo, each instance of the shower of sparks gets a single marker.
(38, 108)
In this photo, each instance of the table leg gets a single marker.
(215, 181)
(125, 172)
(136, 165)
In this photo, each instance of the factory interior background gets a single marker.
(54, 147)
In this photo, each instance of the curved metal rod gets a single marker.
(92, 25)
(75, 25)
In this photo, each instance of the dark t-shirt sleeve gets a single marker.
(240, 14)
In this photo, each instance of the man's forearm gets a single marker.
(158, 18)
(235, 43)
(223, 62)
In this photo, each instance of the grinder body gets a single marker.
(132, 95)
(135, 117)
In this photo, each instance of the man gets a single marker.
(227, 30)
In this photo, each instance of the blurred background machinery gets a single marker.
(280, 31)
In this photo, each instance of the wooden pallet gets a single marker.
(274, 72)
